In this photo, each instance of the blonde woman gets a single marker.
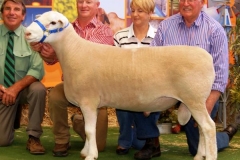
(137, 129)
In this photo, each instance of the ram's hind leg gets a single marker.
(201, 146)
(207, 141)
(90, 152)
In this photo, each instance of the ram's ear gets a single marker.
(63, 20)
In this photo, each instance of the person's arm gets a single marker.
(212, 99)
(46, 52)
(10, 94)
(34, 72)
(2, 89)
(219, 52)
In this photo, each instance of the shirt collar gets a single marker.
(131, 32)
(95, 22)
(197, 22)
(5, 30)
(150, 33)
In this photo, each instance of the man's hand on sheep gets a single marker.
(46, 51)
(36, 46)
(2, 90)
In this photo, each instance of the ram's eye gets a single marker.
(53, 23)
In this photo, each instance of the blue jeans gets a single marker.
(134, 128)
(192, 134)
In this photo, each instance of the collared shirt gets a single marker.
(27, 61)
(126, 38)
(95, 31)
(205, 33)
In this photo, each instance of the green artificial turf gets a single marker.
(173, 147)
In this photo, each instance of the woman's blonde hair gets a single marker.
(146, 5)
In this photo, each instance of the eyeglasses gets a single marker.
(188, 1)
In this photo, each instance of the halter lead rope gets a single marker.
(47, 32)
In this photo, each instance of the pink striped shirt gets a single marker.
(95, 31)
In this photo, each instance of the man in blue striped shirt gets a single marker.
(193, 27)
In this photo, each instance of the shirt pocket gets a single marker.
(22, 61)
(2, 52)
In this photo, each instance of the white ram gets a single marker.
(143, 79)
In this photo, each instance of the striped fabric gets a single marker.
(9, 69)
(205, 33)
(95, 31)
(125, 38)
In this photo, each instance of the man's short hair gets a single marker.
(15, 1)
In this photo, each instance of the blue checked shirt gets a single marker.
(205, 33)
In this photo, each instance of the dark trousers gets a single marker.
(135, 128)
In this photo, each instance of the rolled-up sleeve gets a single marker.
(36, 68)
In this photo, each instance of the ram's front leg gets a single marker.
(90, 152)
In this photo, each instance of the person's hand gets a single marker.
(1, 94)
(45, 50)
(2, 90)
(146, 114)
(195, 123)
(36, 46)
(9, 96)
(48, 54)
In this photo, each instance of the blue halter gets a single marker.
(48, 32)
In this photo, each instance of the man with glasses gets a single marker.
(193, 27)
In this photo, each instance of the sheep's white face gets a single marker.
(51, 20)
